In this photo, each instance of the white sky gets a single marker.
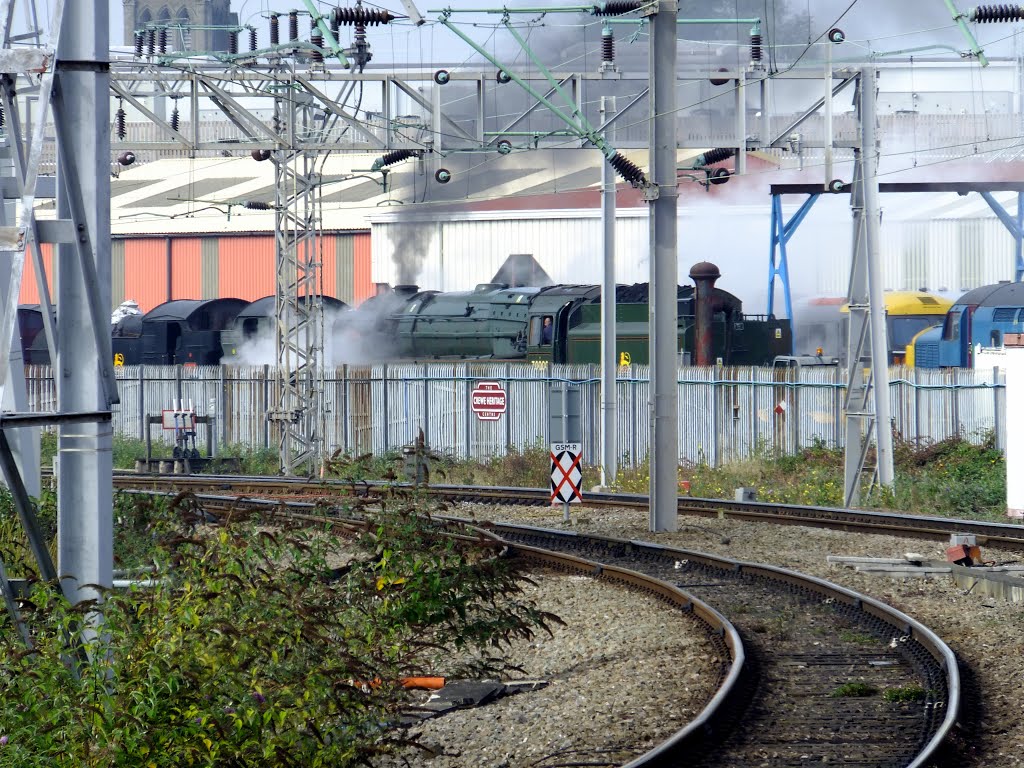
(880, 25)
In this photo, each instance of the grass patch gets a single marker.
(857, 638)
(853, 690)
(953, 478)
(905, 693)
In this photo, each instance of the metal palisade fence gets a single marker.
(725, 414)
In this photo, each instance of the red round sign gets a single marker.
(488, 400)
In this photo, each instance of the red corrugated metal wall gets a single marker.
(362, 284)
(246, 267)
(29, 290)
(329, 265)
(145, 271)
(186, 268)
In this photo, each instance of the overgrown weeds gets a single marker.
(950, 478)
(256, 643)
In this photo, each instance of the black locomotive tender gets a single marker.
(492, 322)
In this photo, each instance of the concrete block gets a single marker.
(963, 554)
(746, 494)
(963, 538)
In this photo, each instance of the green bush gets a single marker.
(952, 478)
(258, 644)
(253, 461)
(15, 552)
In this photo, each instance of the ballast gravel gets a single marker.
(986, 634)
(624, 673)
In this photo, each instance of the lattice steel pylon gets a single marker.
(299, 336)
(299, 317)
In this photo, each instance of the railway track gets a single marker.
(831, 677)
(1003, 535)
(816, 674)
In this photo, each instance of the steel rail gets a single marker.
(1005, 535)
(703, 724)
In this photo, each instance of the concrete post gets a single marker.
(663, 195)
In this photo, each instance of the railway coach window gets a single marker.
(951, 327)
(903, 329)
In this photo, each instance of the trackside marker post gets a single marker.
(566, 475)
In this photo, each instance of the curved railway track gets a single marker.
(811, 648)
(800, 649)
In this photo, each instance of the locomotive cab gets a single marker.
(560, 304)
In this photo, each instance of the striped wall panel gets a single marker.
(145, 269)
(344, 258)
(209, 256)
(116, 272)
(212, 266)
(362, 273)
(245, 267)
(326, 250)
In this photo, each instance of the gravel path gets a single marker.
(986, 634)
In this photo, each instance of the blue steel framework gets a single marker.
(782, 230)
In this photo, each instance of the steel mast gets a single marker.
(66, 70)
(298, 309)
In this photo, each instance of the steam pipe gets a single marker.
(704, 274)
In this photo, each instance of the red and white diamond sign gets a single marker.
(488, 400)
(566, 475)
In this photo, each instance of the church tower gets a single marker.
(139, 13)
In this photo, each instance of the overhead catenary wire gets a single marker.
(772, 47)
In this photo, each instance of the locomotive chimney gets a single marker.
(704, 274)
